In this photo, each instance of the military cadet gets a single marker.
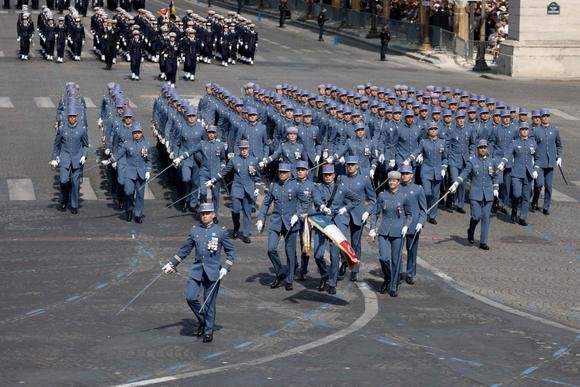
(395, 213)
(49, 39)
(310, 191)
(76, 35)
(457, 143)
(363, 148)
(418, 204)
(208, 239)
(110, 41)
(61, 36)
(549, 157)
(407, 140)
(483, 172)
(135, 54)
(136, 153)
(525, 169)
(288, 201)
(504, 134)
(212, 159)
(25, 34)
(69, 150)
(244, 191)
(434, 167)
(189, 52)
(289, 151)
(336, 201)
(171, 53)
(186, 144)
(310, 136)
(361, 185)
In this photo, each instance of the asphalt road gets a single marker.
(64, 278)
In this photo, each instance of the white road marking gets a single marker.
(3, 12)
(5, 102)
(90, 103)
(2, 54)
(370, 311)
(20, 189)
(44, 102)
(564, 115)
(87, 192)
(558, 196)
(148, 194)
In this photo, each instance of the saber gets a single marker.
(178, 200)
(413, 240)
(380, 185)
(316, 166)
(438, 201)
(209, 295)
(139, 294)
(156, 176)
(562, 172)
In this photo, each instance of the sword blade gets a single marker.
(139, 294)
(563, 177)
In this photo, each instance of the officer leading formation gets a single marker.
(389, 157)
(166, 39)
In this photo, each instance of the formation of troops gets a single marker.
(387, 157)
(165, 39)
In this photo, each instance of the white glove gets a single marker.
(105, 162)
(54, 163)
(147, 175)
(223, 272)
(167, 145)
(260, 225)
(100, 121)
(326, 210)
(316, 159)
(325, 154)
(168, 268)
(365, 216)
(82, 160)
(293, 220)
(391, 163)
(128, 57)
(107, 151)
(230, 156)
(114, 165)
(559, 162)
(419, 158)
(407, 162)
(501, 166)
(443, 173)
(535, 175)
(373, 234)
(372, 173)
(404, 231)
(496, 193)
(329, 160)
(418, 227)
(342, 160)
(172, 155)
(162, 141)
(381, 158)
(256, 192)
(453, 187)
(18, 39)
(177, 161)
(342, 211)
(209, 183)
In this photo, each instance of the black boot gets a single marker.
(322, 284)
(64, 191)
(342, 270)
(514, 217)
(471, 231)
(200, 330)
(129, 216)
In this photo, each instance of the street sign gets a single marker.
(553, 8)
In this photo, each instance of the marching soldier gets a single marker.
(137, 155)
(336, 201)
(135, 50)
(61, 36)
(69, 150)
(524, 172)
(483, 172)
(208, 240)
(76, 35)
(171, 53)
(110, 41)
(244, 191)
(395, 212)
(310, 191)
(361, 185)
(418, 204)
(25, 31)
(289, 151)
(189, 52)
(549, 157)
(288, 201)
(212, 160)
